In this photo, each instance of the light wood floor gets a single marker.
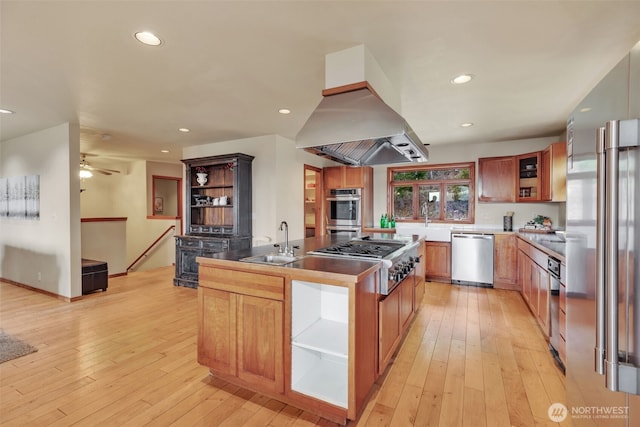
(473, 357)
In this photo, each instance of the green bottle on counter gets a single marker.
(392, 223)
(383, 221)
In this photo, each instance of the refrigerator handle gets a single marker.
(611, 255)
(599, 350)
(619, 374)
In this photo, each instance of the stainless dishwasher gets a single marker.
(472, 259)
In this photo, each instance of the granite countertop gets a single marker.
(549, 243)
(311, 263)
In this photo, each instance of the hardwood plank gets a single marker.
(474, 409)
(472, 356)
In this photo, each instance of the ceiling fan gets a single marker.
(86, 170)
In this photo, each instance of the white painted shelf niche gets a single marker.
(320, 341)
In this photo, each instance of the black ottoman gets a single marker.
(94, 275)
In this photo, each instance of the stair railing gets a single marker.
(146, 251)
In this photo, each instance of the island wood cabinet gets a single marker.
(496, 179)
(300, 337)
(218, 211)
(240, 333)
(438, 261)
(533, 279)
(505, 252)
(396, 312)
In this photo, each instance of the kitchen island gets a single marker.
(306, 333)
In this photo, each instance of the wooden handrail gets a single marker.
(151, 246)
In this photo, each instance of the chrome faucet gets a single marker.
(284, 226)
(426, 214)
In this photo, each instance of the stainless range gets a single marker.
(398, 257)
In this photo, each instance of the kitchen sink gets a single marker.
(271, 259)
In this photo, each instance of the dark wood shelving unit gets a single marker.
(212, 228)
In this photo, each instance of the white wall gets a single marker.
(277, 181)
(485, 213)
(106, 241)
(45, 254)
(128, 195)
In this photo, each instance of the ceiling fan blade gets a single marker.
(103, 172)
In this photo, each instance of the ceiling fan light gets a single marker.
(84, 173)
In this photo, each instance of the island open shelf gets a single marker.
(320, 341)
(320, 375)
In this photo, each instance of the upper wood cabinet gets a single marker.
(334, 177)
(496, 179)
(533, 177)
(554, 173)
(528, 177)
(347, 177)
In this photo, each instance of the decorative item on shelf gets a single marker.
(540, 222)
(202, 175)
(230, 165)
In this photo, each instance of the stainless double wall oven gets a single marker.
(344, 207)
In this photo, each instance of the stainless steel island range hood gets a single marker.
(357, 128)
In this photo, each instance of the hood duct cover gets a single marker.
(357, 128)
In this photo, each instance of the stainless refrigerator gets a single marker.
(602, 253)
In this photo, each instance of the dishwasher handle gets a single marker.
(472, 236)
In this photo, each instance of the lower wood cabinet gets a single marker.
(240, 330)
(396, 312)
(534, 283)
(505, 261)
(438, 261)
(389, 328)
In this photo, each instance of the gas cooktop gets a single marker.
(361, 249)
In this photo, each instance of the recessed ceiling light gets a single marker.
(284, 111)
(461, 79)
(164, 151)
(185, 130)
(148, 38)
(4, 111)
(585, 109)
(466, 125)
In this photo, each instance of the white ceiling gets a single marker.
(225, 68)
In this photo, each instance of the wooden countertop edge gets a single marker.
(295, 272)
